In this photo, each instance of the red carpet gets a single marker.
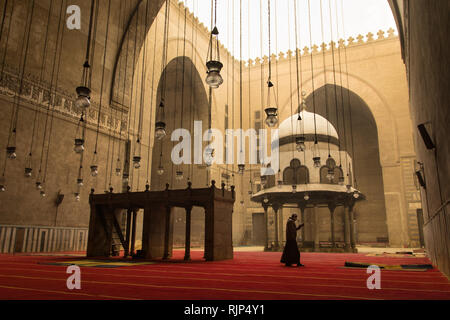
(250, 276)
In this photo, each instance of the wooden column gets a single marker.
(266, 229)
(332, 208)
(127, 233)
(133, 232)
(167, 234)
(187, 253)
(316, 230)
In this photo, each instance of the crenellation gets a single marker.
(360, 39)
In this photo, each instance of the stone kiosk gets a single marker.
(158, 221)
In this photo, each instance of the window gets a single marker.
(295, 173)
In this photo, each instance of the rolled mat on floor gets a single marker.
(389, 267)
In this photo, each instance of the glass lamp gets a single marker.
(316, 162)
(79, 146)
(294, 188)
(77, 197)
(80, 182)
(349, 188)
(306, 197)
(214, 79)
(179, 175)
(213, 65)
(94, 170)
(356, 195)
(300, 144)
(272, 117)
(241, 168)
(28, 172)
(11, 153)
(136, 162)
(160, 170)
(330, 174)
(160, 130)
(83, 100)
(38, 185)
(2, 184)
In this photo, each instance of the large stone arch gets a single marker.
(195, 108)
(384, 115)
(124, 64)
(379, 107)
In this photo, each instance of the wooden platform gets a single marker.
(107, 210)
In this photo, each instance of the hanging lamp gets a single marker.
(179, 175)
(316, 155)
(331, 164)
(28, 166)
(160, 126)
(272, 106)
(137, 162)
(294, 189)
(213, 64)
(94, 165)
(79, 137)
(2, 184)
(300, 144)
(118, 167)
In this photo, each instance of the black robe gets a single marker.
(291, 255)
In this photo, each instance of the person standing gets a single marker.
(291, 254)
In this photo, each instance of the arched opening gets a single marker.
(363, 146)
(182, 108)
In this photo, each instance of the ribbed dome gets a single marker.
(292, 126)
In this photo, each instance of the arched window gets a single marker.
(323, 175)
(295, 173)
(324, 172)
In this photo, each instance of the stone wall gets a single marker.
(427, 52)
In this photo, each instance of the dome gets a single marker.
(323, 126)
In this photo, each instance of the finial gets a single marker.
(213, 183)
(111, 189)
(92, 191)
(128, 188)
(167, 186)
(147, 187)
(189, 185)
